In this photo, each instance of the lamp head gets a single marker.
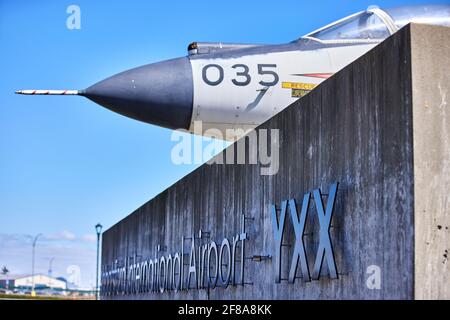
(98, 228)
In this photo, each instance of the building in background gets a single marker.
(25, 282)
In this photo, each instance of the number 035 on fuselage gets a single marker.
(239, 86)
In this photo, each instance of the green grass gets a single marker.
(29, 297)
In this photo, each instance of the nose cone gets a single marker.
(159, 93)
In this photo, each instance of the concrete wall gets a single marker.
(431, 123)
(355, 128)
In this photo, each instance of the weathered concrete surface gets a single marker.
(431, 123)
(355, 128)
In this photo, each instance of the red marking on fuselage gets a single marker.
(316, 75)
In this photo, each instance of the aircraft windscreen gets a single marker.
(430, 14)
(365, 25)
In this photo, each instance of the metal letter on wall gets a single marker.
(325, 246)
(212, 283)
(176, 283)
(225, 247)
(278, 229)
(299, 248)
(162, 275)
(242, 238)
(192, 266)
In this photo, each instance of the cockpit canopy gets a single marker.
(375, 24)
(364, 25)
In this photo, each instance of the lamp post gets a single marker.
(50, 271)
(98, 229)
(35, 239)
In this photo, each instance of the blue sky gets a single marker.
(67, 163)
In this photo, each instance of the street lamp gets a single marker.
(50, 263)
(98, 229)
(50, 271)
(35, 239)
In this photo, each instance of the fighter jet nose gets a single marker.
(159, 93)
